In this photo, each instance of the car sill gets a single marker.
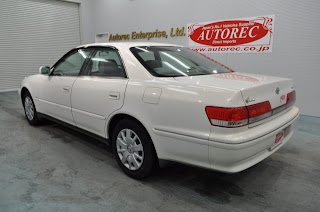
(103, 140)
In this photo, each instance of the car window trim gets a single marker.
(85, 63)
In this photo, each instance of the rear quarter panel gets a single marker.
(177, 123)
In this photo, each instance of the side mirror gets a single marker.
(44, 70)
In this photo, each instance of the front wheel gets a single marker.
(133, 149)
(30, 109)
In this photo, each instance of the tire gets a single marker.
(133, 149)
(30, 109)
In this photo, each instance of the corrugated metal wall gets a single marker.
(34, 33)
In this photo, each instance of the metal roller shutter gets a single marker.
(34, 33)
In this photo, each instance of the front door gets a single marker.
(54, 99)
(100, 91)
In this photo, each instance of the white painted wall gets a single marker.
(296, 40)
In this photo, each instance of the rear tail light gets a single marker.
(259, 111)
(227, 117)
(291, 98)
(240, 116)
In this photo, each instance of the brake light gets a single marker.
(259, 111)
(291, 97)
(227, 117)
(240, 116)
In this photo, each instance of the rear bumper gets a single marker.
(237, 152)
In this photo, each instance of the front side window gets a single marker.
(106, 63)
(174, 61)
(71, 65)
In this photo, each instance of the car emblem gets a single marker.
(277, 90)
(250, 99)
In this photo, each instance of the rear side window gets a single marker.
(106, 63)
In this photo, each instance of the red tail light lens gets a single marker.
(291, 97)
(259, 111)
(240, 116)
(227, 117)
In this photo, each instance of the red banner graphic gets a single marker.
(252, 35)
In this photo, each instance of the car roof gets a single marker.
(127, 44)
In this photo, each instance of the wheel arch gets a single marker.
(24, 90)
(119, 116)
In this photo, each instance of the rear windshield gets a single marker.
(164, 61)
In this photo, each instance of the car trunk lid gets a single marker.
(254, 88)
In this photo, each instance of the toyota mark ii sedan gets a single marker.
(154, 102)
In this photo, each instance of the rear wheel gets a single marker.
(133, 149)
(30, 109)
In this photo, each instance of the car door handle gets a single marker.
(114, 95)
(66, 88)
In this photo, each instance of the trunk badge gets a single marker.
(248, 99)
(277, 90)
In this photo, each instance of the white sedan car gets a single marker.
(156, 102)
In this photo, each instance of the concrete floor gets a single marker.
(50, 168)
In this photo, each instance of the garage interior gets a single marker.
(52, 168)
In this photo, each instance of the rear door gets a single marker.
(100, 91)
